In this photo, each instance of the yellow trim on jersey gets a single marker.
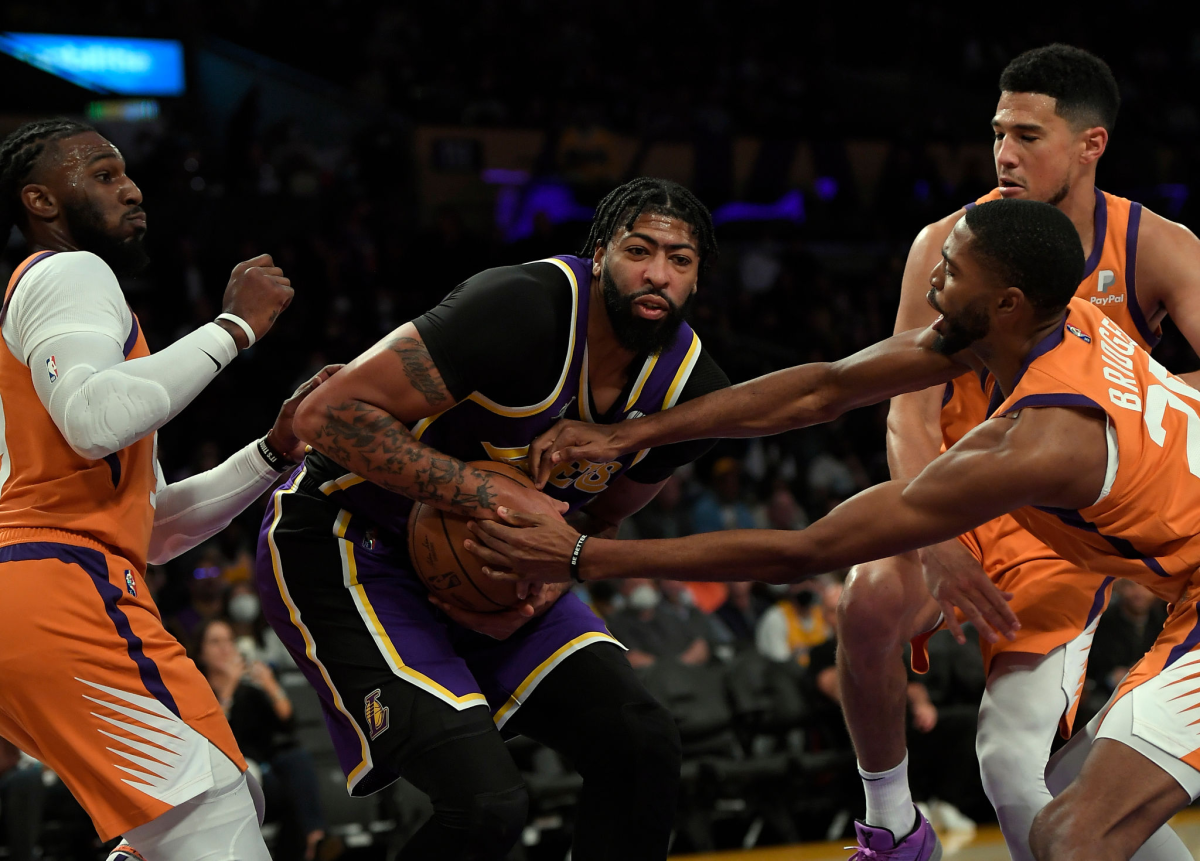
(513, 456)
(522, 412)
(638, 457)
(310, 647)
(386, 647)
(585, 390)
(685, 371)
(423, 425)
(517, 697)
(342, 483)
(640, 383)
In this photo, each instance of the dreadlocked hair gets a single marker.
(19, 152)
(622, 206)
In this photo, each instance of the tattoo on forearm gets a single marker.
(421, 371)
(372, 443)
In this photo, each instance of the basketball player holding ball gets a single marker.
(420, 688)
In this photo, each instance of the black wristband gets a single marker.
(276, 460)
(575, 558)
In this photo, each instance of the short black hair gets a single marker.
(1033, 247)
(1082, 85)
(622, 206)
(19, 153)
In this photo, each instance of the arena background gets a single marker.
(384, 152)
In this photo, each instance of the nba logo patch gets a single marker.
(377, 714)
(52, 369)
(130, 586)
(1086, 338)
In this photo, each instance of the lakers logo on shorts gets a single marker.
(377, 715)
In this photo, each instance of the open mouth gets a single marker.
(1010, 188)
(651, 307)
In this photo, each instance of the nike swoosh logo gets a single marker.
(214, 361)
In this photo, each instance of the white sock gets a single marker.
(889, 802)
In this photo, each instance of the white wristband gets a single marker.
(245, 327)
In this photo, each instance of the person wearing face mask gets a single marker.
(255, 639)
(790, 629)
(660, 625)
(261, 717)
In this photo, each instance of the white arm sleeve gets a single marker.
(68, 322)
(197, 508)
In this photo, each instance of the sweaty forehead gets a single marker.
(659, 224)
(76, 153)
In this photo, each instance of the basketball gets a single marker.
(435, 545)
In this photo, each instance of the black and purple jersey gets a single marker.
(511, 346)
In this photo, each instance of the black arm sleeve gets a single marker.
(503, 332)
(658, 465)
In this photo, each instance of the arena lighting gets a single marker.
(126, 110)
(126, 67)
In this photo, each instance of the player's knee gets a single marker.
(1058, 833)
(1009, 770)
(494, 821)
(634, 741)
(872, 609)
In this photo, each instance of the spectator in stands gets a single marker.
(665, 516)
(22, 794)
(260, 715)
(655, 629)
(206, 595)
(1125, 632)
(604, 598)
(796, 623)
(740, 613)
(722, 507)
(253, 636)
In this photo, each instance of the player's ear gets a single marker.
(1095, 141)
(597, 258)
(39, 201)
(1010, 300)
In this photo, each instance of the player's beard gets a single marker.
(961, 331)
(1060, 195)
(126, 257)
(634, 333)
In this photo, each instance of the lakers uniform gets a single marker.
(91, 684)
(1057, 603)
(336, 580)
(1143, 526)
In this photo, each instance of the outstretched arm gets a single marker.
(1050, 456)
(785, 400)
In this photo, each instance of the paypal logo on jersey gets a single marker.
(52, 369)
(1106, 279)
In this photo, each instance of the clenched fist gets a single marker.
(258, 291)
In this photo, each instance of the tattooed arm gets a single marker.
(361, 420)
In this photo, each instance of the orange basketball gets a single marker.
(435, 545)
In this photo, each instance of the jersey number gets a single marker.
(1158, 398)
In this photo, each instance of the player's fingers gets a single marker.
(522, 591)
(487, 554)
(273, 271)
(972, 608)
(497, 574)
(519, 518)
(998, 612)
(951, 619)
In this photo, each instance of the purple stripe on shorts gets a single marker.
(1098, 601)
(93, 562)
(1189, 643)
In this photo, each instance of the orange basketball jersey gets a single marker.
(1108, 283)
(1144, 526)
(45, 485)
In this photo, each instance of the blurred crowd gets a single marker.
(348, 225)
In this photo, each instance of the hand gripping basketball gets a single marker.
(257, 292)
